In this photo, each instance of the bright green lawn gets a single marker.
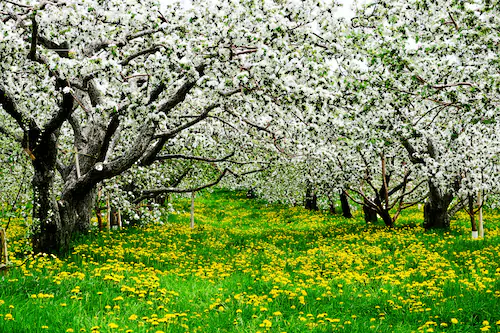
(250, 267)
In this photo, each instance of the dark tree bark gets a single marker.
(436, 208)
(344, 205)
(311, 200)
(332, 208)
(370, 214)
(386, 217)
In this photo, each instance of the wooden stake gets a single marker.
(108, 208)
(480, 203)
(192, 210)
(119, 219)
(4, 260)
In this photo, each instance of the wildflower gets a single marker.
(266, 323)
(8, 316)
(112, 325)
(454, 321)
(70, 330)
(132, 317)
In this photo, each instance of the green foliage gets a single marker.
(249, 266)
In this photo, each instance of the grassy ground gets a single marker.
(252, 267)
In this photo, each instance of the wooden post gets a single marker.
(119, 219)
(480, 203)
(108, 215)
(98, 209)
(4, 259)
(192, 210)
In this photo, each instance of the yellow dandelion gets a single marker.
(112, 325)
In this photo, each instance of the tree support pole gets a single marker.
(192, 210)
(480, 204)
(4, 260)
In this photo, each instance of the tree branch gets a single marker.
(102, 171)
(155, 192)
(411, 152)
(178, 97)
(195, 158)
(34, 37)
(175, 131)
(110, 131)
(151, 50)
(145, 194)
(63, 114)
(8, 104)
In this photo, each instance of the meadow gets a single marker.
(249, 266)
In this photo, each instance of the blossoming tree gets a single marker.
(93, 90)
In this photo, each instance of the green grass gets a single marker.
(249, 266)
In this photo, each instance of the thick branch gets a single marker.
(34, 37)
(149, 156)
(61, 49)
(411, 152)
(110, 131)
(77, 130)
(178, 97)
(62, 115)
(8, 104)
(103, 171)
(156, 93)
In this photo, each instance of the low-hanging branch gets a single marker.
(145, 194)
(195, 158)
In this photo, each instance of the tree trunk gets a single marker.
(436, 208)
(472, 214)
(332, 208)
(344, 204)
(55, 223)
(311, 201)
(386, 217)
(370, 214)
